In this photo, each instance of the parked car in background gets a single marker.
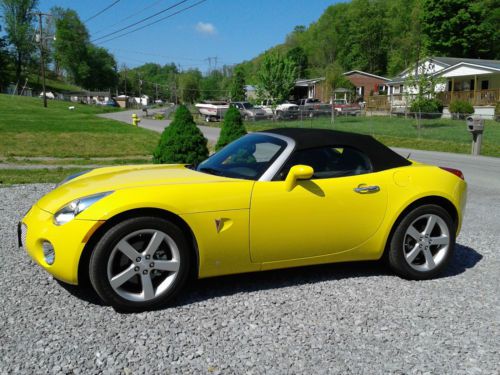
(249, 112)
(313, 107)
(342, 107)
(282, 111)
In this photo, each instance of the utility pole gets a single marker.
(42, 62)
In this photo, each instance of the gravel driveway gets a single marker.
(344, 318)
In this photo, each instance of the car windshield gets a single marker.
(247, 158)
(248, 105)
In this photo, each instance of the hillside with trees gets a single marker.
(386, 36)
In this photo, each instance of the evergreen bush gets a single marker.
(232, 128)
(181, 142)
(461, 109)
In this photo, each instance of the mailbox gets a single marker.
(475, 124)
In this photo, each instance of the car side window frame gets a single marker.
(280, 177)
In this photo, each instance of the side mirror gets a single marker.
(296, 173)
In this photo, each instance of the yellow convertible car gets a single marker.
(274, 199)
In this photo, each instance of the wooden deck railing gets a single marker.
(477, 98)
(480, 97)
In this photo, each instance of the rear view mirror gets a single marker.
(296, 173)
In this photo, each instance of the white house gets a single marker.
(474, 80)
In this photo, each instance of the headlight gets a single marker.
(72, 209)
(72, 176)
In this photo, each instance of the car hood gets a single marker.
(123, 177)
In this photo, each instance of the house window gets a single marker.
(472, 85)
(449, 85)
(485, 85)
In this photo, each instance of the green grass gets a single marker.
(27, 129)
(437, 135)
(25, 176)
(52, 84)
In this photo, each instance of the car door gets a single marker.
(340, 208)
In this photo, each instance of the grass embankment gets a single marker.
(27, 129)
(78, 137)
(436, 135)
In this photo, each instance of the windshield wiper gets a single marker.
(213, 171)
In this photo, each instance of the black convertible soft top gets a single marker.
(381, 156)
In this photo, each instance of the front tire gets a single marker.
(423, 243)
(140, 264)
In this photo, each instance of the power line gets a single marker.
(101, 11)
(140, 21)
(152, 23)
(142, 53)
(129, 16)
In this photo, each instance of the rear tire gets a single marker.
(423, 243)
(140, 264)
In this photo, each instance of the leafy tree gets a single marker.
(232, 128)
(190, 85)
(4, 64)
(237, 88)
(335, 79)
(462, 28)
(181, 141)
(19, 19)
(102, 64)
(299, 57)
(276, 77)
(71, 46)
(212, 86)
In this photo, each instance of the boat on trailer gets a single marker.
(212, 110)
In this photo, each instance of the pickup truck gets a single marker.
(282, 111)
(342, 107)
(313, 107)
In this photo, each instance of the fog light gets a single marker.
(48, 252)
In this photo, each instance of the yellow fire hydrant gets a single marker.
(135, 120)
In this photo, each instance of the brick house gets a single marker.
(367, 84)
(364, 83)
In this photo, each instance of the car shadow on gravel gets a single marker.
(200, 290)
(464, 258)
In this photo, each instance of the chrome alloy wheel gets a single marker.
(426, 242)
(143, 265)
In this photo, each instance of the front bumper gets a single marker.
(68, 241)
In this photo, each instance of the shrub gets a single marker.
(461, 109)
(181, 141)
(425, 105)
(427, 108)
(232, 128)
(497, 112)
(158, 116)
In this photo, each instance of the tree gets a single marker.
(276, 77)
(335, 79)
(19, 18)
(462, 28)
(4, 63)
(211, 86)
(232, 128)
(299, 57)
(190, 85)
(237, 88)
(103, 69)
(181, 141)
(71, 46)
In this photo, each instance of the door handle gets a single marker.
(367, 189)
